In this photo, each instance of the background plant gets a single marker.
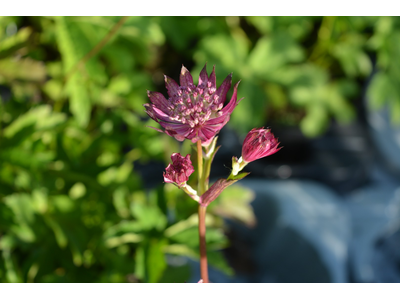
(73, 203)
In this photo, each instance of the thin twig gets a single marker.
(96, 48)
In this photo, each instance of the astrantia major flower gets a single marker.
(193, 112)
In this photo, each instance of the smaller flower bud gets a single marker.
(179, 171)
(259, 143)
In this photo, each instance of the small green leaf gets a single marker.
(61, 238)
(217, 260)
(150, 260)
(22, 207)
(148, 216)
(15, 42)
(380, 90)
(315, 122)
(123, 239)
(22, 69)
(78, 190)
(235, 203)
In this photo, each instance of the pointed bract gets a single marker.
(223, 89)
(203, 78)
(213, 79)
(185, 77)
(158, 100)
(172, 86)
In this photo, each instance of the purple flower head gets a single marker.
(179, 171)
(193, 112)
(259, 143)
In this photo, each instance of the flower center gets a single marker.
(194, 105)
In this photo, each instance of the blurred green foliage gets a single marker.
(73, 208)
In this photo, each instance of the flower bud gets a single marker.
(179, 171)
(259, 143)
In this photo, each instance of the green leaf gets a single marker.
(15, 42)
(229, 51)
(12, 275)
(38, 118)
(22, 69)
(181, 226)
(123, 227)
(315, 122)
(395, 111)
(190, 237)
(148, 216)
(263, 24)
(120, 202)
(54, 89)
(22, 207)
(123, 239)
(70, 43)
(251, 110)
(176, 274)
(217, 260)
(179, 31)
(60, 236)
(40, 201)
(156, 260)
(182, 250)
(351, 56)
(380, 90)
(78, 190)
(115, 174)
(150, 260)
(272, 52)
(120, 85)
(235, 203)
(63, 203)
(190, 222)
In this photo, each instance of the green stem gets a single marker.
(206, 172)
(201, 185)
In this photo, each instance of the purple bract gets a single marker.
(193, 112)
(259, 143)
(179, 171)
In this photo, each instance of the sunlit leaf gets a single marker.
(23, 69)
(148, 216)
(234, 203)
(12, 43)
(70, 43)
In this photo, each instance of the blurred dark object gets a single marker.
(386, 259)
(5, 93)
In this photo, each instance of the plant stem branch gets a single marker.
(202, 243)
(96, 48)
